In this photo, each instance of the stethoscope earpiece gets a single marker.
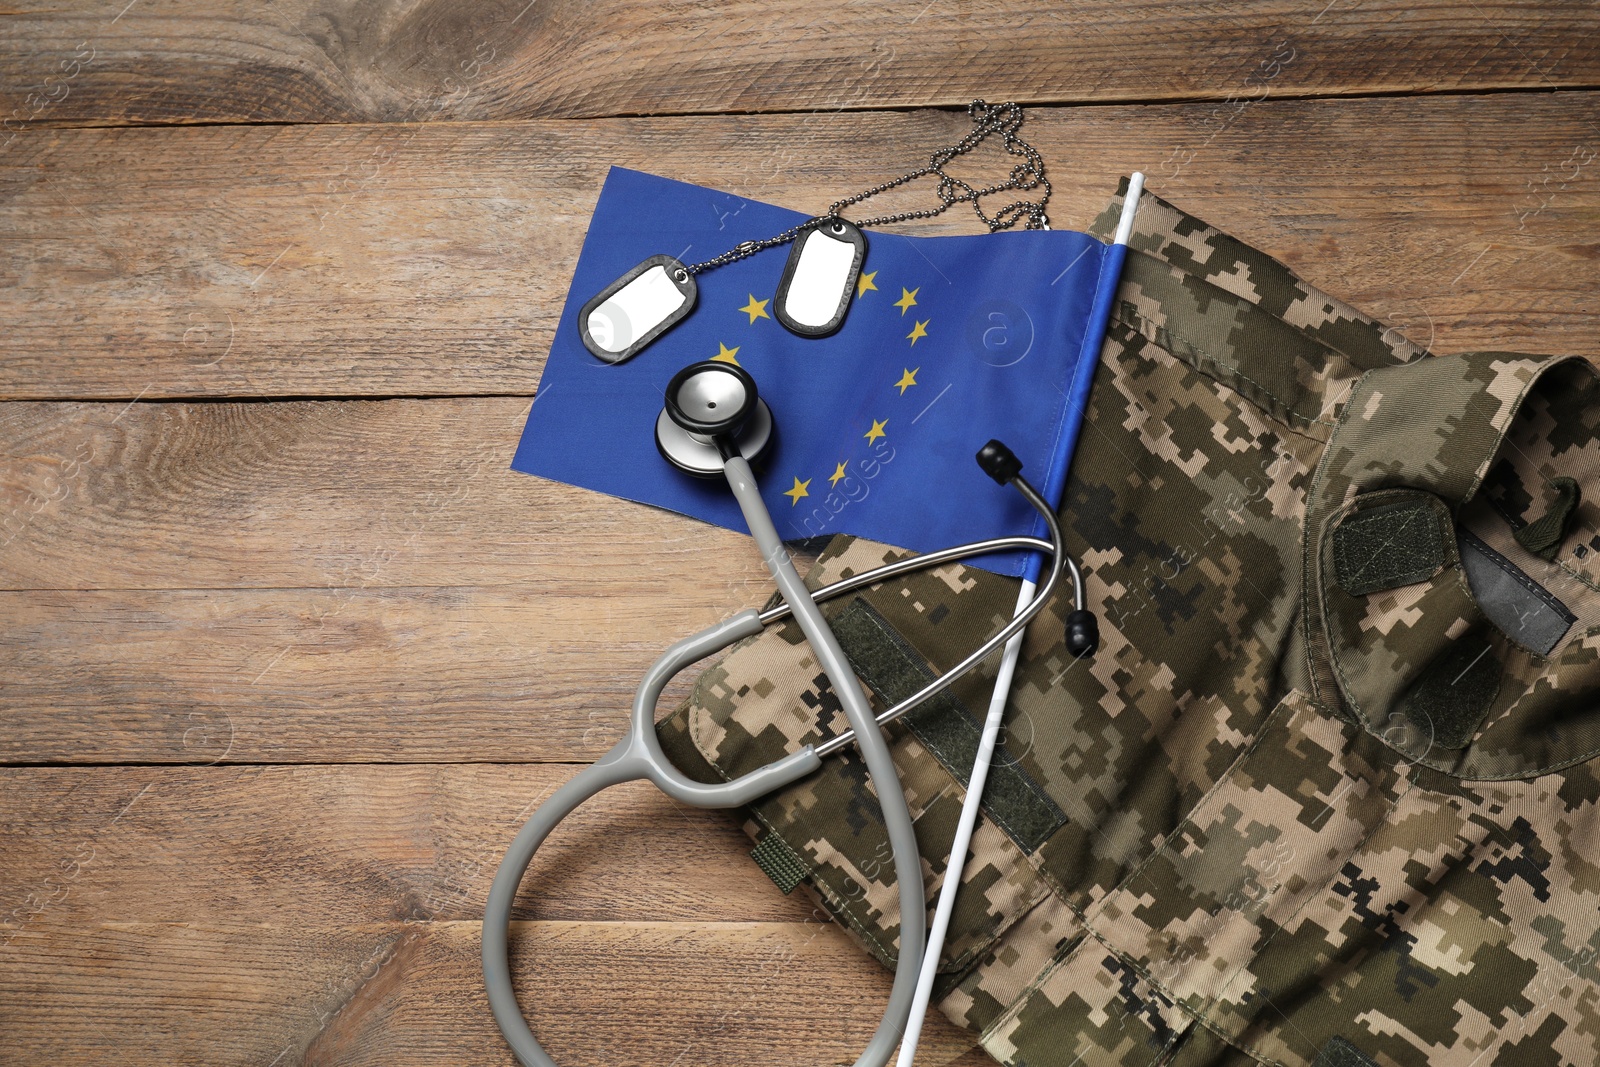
(712, 411)
(712, 422)
(1083, 633)
(999, 462)
(1082, 628)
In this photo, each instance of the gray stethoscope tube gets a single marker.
(639, 755)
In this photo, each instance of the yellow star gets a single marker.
(797, 492)
(838, 472)
(864, 283)
(756, 309)
(908, 299)
(919, 330)
(727, 355)
(908, 379)
(876, 431)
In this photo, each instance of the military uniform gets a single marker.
(1327, 794)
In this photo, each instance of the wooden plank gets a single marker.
(284, 988)
(428, 259)
(315, 675)
(340, 497)
(407, 60)
(328, 581)
(357, 844)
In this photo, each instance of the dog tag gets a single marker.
(637, 308)
(820, 277)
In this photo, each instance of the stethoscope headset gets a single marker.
(714, 421)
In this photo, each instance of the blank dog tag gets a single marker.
(637, 308)
(820, 277)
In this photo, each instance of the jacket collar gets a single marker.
(1395, 638)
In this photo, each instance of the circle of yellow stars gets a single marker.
(866, 282)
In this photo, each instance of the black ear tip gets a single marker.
(1083, 633)
(999, 462)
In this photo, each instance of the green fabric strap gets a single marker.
(1543, 537)
(779, 862)
(1388, 546)
(894, 670)
(1340, 1053)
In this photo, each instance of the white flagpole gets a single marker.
(980, 767)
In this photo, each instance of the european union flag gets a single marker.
(948, 341)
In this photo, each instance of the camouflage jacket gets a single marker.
(1324, 794)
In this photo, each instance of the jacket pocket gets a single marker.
(1201, 923)
(768, 697)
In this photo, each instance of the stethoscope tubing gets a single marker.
(1015, 626)
(873, 749)
(639, 754)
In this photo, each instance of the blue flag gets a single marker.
(948, 342)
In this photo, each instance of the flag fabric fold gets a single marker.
(948, 342)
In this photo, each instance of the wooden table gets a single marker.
(287, 651)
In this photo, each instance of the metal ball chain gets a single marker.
(744, 249)
(1004, 119)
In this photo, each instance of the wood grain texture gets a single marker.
(260, 993)
(362, 589)
(112, 61)
(470, 674)
(339, 496)
(357, 844)
(328, 581)
(430, 259)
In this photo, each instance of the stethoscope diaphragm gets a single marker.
(697, 454)
(712, 409)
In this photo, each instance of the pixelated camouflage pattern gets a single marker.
(1265, 847)
(1366, 652)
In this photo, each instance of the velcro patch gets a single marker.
(1453, 693)
(886, 662)
(1388, 546)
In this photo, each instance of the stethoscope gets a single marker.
(714, 421)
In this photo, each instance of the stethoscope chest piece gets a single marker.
(713, 422)
(712, 408)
